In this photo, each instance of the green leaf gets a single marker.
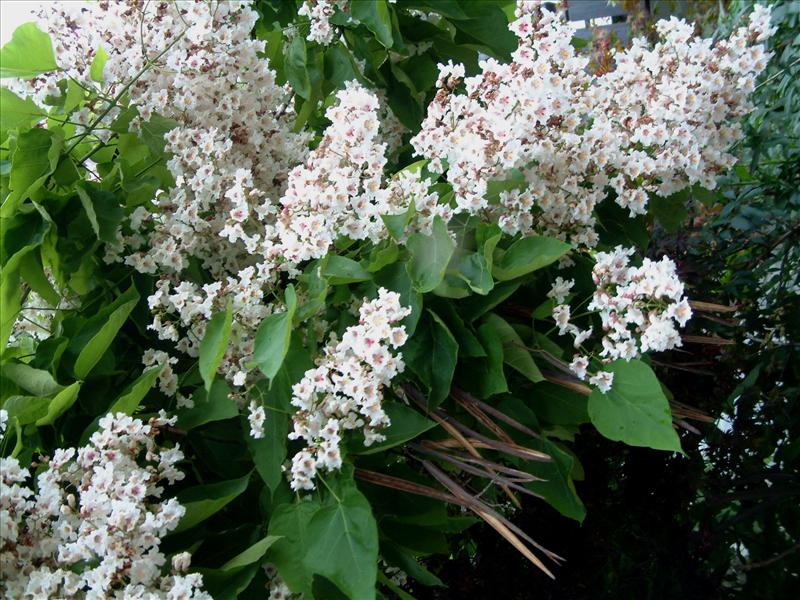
(406, 424)
(28, 54)
(253, 554)
(32, 271)
(60, 403)
(340, 270)
(36, 381)
(396, 224)
(635, 409)
(129, 400)
(98, 64)
(485, 375)
(103, 209)
(296, 67)
(212, 405)
(527, 255)
(343, 543)
(203, 501)
(377, 18)
(395, 277)
(26, 409)
(476, 268)
(35, 157)
(558, 405)
(515, 355)
(214, 344)
(17, 113)
(431, 353)
(153, 131)
(269, 452)
(10, 290)
(429, 256)
(290, 523)
(273, 337)
(101, 341)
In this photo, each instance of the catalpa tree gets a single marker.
(293, 289)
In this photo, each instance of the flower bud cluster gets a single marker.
(92, 525)
(345, 390)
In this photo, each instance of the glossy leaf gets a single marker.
(527, 255)
(635, 410)
(214, 344)
(429, 256)
(29, 53)
(273, 336)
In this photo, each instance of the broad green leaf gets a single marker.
(227, 584)
(153, 131)
(253, 554)
(35, 157)
(32, 272)
(343, 543)
(406, 424)
(128, 402)
(103, 209)
(380, 257)
(269, 452)
(203, 501)
(26, 409)
(214, 344)
(10, 290)
(339, 66)
(476, 268)
(36, 381)
(429, 256)
(377, 18)
(340, 270)
(396, 224)
(468, 344)
(18, 113)
(60, 403)
(296, 67)
(28, 54)
(395, 277)
(477, 306)
(101, 341)
(527, 255)
(213, 405)
(290, 523)
(484, 376)
(515, 355)
(273, 337)
(98, 65)
(635, 409)
(558, 405)
(431, 353)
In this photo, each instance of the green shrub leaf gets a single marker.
(214, 344)
(273, 336)
(430, 255)
(28, 54)
(635, 410)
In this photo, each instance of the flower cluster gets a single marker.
(93, 526)
(660, 121)
(640, 309)
(344, 391)
(319, 13)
